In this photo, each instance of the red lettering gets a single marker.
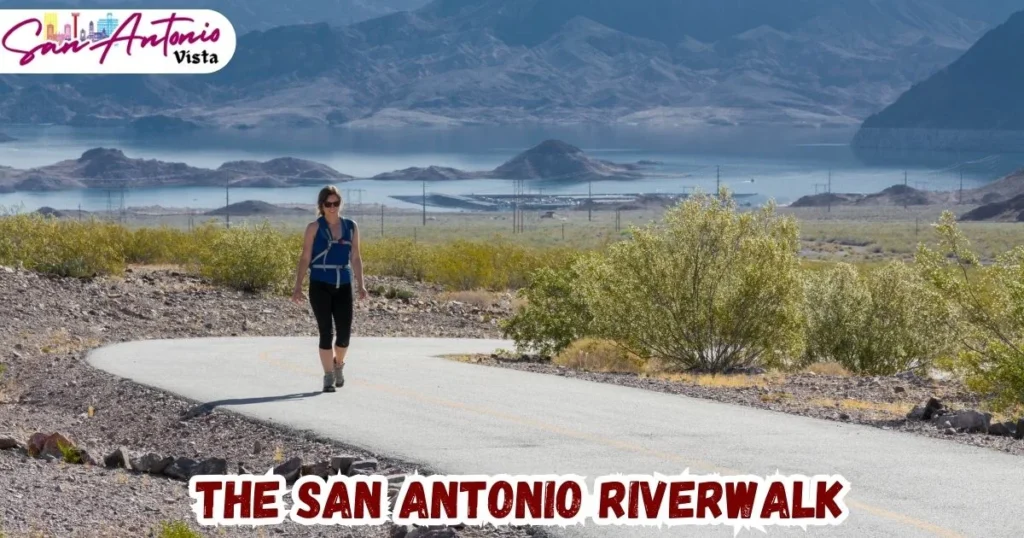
(634, 500)
(449, 497)
(679, 498)
(549, 500)
(826, 499)
(652, 504)
(306, 494)
(572, 491)
(208, 489)
(505, 509)
(739, 498)
(368, 497)
(612, 494)
(704, 503)
(263, 498)
(337, 501)
(528, 497)
(415, 501)
(474, 488)
(799, 510)
(232, 499)
(776, 501)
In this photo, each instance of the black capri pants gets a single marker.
(332, 307)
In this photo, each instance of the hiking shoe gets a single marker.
(329, 383)
(339, 375)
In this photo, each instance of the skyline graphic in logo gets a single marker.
(77, 28)
(116, 41)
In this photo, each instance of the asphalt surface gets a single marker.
(403, 401)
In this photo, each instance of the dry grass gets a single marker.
(828, 368)
(775, 397)
(60, 342)
(715, 381)
(477, 298)
(594, 355)
(890, 409)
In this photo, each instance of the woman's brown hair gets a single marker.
(322, 198)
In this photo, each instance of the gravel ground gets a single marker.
(46, 386)
(882, 402)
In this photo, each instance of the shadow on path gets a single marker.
(208, 407)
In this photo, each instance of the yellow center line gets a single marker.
(600, 440)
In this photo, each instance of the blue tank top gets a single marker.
(331, 257)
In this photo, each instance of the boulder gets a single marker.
(151, 463)
(969, 421)
(289, 469)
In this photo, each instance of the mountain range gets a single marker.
(974, 104)
(456, 62)
(247, 15)
(552, 160)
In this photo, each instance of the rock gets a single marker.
(1001, 429)
(1020, 429)
(899, 390)
(118, 458)
(844, 416)
(399, 531)
(181, 469)
(969, 421)
(257, 447)
(321, 469)
(7, 443)
(341, 464)
(289, 469)
(931, 408)
(55, 446)
(949, 431)
(36, 444)
(211, 466)
(151, 463)
(363, 466)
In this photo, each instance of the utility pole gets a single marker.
(961, 198)
(718, 180)
(424, 203)
(590, 200)
(904, 184)
(829, 196)
(227, 203)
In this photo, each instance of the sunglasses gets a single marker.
(333, 204)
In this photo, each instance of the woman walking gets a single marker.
(331, 254)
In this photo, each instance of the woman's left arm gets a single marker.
(357, 262)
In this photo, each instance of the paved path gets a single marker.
(403, 401)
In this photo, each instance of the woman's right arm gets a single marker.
(307, 249)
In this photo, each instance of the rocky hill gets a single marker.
(973, 104)
(552, 160)
(111, 168)
(897, 195)
(557, 160)
(454, 62)
(1009, 210)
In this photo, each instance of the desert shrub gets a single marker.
(250, 258)
(62, 247)
(397, 257)
(987, 312)
(157, 245)
(712, 289)
(553, 316)
(176, 529)
(875, 322)
(595, 355)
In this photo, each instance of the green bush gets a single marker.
(176, 529)
(251, 258)
(554, 315)
(62, 247)
(713, 289)
(876, 322)
(987, 313)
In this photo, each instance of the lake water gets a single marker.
(778, 164)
